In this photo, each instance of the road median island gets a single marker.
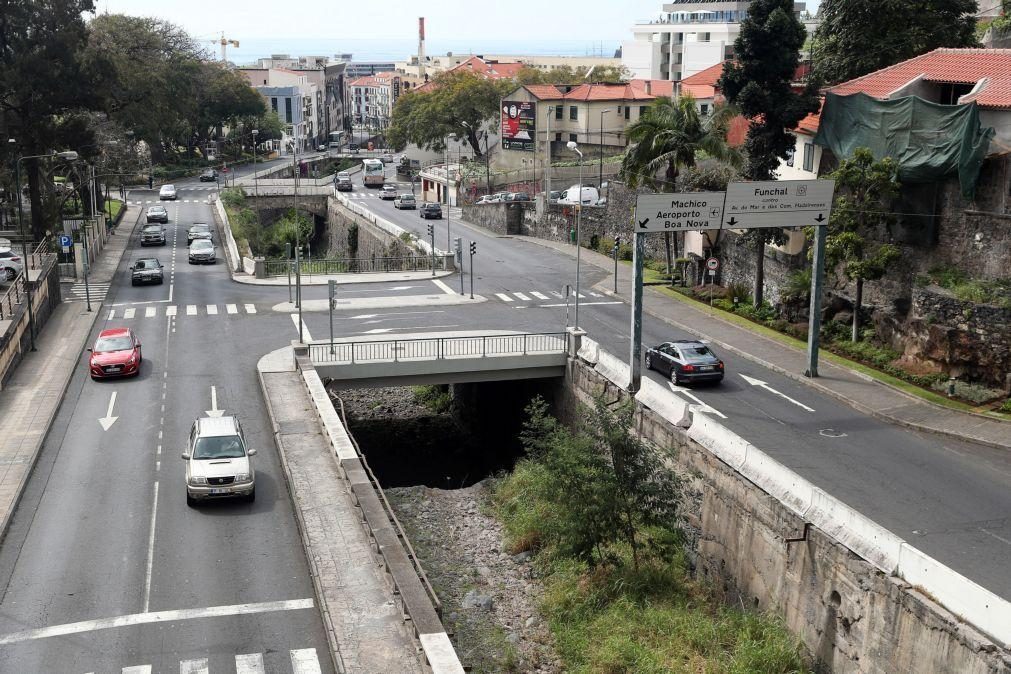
(340, 519)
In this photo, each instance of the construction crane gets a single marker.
(224, 42)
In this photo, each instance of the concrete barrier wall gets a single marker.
(229, 239)
(809, 505)
(384, 224)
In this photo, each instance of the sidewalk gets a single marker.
(31, 400)
(341, 279)
(859, 391)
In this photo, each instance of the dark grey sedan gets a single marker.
(146, 270)
(157, 214)
(685, 361)
(431, 210)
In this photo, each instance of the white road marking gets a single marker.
(540, 296)
(557, 294)
(250, 308)
(150, 549)
(191, 310)
(214, 411)
(704, 407)
(112, 314)
(150, 312)
(212, 309)
(378, 331)
(154, 617)
(193, 666)
(251, 663)
(504, 297)
(138, 669)
(596, 295)
(582, 304)
(761, 384)
(231, 308)
(170, 310)
(304, 661)
(305, 328)
(442, 286)
(108, 420)
(521, 296)
(129, 313)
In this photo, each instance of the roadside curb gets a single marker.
(65, 385)
(813, 382)
(314, 573)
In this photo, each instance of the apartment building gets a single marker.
(688, 37)
(298, 103)
(371, 98)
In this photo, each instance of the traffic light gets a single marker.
(617, 241)
(473, 247)
(431, 230)
(458, 245)
(150, 182)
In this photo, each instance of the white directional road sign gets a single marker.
(778, 203)
(678, 212)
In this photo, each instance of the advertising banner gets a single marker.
(519, 121)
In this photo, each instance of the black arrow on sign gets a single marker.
(820, 218)
(732, 221)
(642, 223)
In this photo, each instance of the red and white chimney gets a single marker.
(421, 46)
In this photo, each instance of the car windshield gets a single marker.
(146, 264)
(152, 228)
(219, 447)
(697, 354)
(202, 244)
(406, 197)
(200, 228)
(107, 344)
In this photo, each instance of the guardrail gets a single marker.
(436, 348)
(11, 300)
(359, 265)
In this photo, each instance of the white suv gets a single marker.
(217, 461)
(11, 264)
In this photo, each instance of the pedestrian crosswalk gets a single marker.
(299, 661)
(78, 292)
(158, 310)
(551, 295)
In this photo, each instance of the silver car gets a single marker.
(202, 250)
(217, 461)
(11, 264)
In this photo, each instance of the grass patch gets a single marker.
(436, 398)
(240, 218)
(112, 208)
(975, 291)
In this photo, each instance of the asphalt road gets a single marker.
(949, 498)
(104, 530)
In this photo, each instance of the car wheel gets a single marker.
(649, 362)
(674, 376)
(190, 501)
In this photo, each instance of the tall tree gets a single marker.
(667, 139)
(760, 83)
(867, 188)
(41, 83)
(856, 37)
(426, 118)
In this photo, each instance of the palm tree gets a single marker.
(668, 137)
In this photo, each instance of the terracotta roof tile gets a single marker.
(944, 66)
(656, 87)
(710, 76)
(545, 92)
(608, 92)
(493, 71)
(702, 91)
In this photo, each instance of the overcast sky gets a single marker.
(497, 20)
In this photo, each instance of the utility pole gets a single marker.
(431, 235)
(458, 247)
(617, 245)
(332, 285)
(473, 252)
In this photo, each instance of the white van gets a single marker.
(590, 195)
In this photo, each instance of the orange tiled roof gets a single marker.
(545, 92)
(810, 123)
(656, 87)
(944, 66)
(493, 71)
(708, 77)
(608, 92)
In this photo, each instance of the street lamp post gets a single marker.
(547, 161)
(256, 184)
(69, 155)
(449, 241)
(579, 217)
(600, 177)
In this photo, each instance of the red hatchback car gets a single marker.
(116, 354)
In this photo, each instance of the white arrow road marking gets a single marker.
(214, 411)
(703, 406)
(378, 331)
(383, 316)
(761, 384)
(108, 420)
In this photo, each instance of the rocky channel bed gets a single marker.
(489, 597)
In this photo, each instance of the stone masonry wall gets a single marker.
(849, 616)
(350, 235)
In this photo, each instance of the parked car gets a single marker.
(590, 195)
(554, 196)
(198, 230)
(146, 270)
(486, 199)
(321, 147)
(209, 176)
(519, 196)
(152, 235)
(167, 192)
(353, 148)
(202, 250)
(405, 202)
(157, 214)
(11, 264)
(388, 192)
(344, 184)
(343, 175)
(431, 210)
(685, 361)
(217, 461)
(386, 158)
(116, 354)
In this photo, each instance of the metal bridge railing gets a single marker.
(359, 265)
(436, 348)
(11, 299)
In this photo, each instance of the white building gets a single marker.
(688, 37)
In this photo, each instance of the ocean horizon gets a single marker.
(400, 49)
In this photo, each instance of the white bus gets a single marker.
(374, 172)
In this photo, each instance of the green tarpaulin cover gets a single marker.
(928, 140)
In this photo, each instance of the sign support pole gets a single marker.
(635, 349)
(814, 320)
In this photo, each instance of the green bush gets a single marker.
(740, 291)
(233, 197)
(436, 398)
(976, 393)
(1006, 407)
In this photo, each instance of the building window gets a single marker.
(558, 111)
(808, 157)
(619, 109)
(573, 112)
(287, 109)
(704, 108)
(790, 155)
(558, 137)
(273, 104)
(572, 137)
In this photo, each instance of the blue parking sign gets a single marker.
(65, 241)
